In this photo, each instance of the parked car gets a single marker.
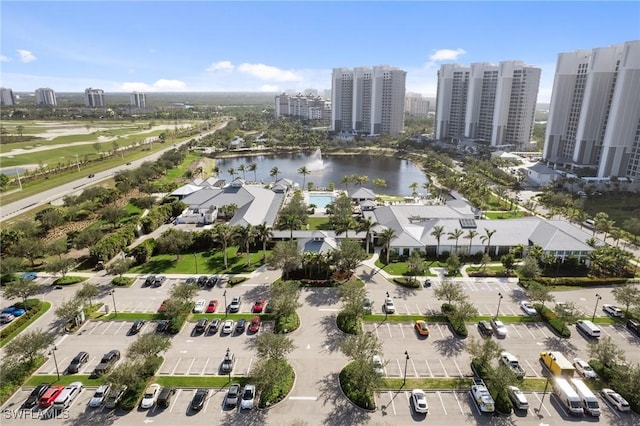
(162, 326)
(498, 327)
(212, 306)
(107, 362)
(227, 327)
(35, 395)
(378, 365)
(114, 397)
(199, 398)
(201, 325)
(164, 399)
(419, 401)
(212, 281)
(191, 281)
(6, 318)
(50, 395)
(510, 361)
(68, 394)
(248, 395)
(367, 305)
(100, 395)
(234, 306)
(202, 280)
(615, 399)
(517, 398)
(214, 325)
(389, 306)
(584, 369)
(160, 279)
(613, 311)
(136, 327)
(254, 325)
(422, 328)
(199, 306)
(150, 396)
(231, 400)
(528, 308)
(77, 362)
(241, 325)
(258, 306)
(227, 362)
(13, 310)
(634, 325)
(149, 280)
(163, 305)
(484, 327)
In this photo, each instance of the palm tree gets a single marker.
(437, 232)
(232, 172)
(264, 234)
(216, 171)
(414, 189)
(366, 225)
(346, 180)
(471, 234)
(385, 237)
(274, 172)
(290, 221)
(243, 169)
(304, 172)
(252, 168)
(487, 237)
(224, 234)
(245, 235)
(344, 226)
(455, 235)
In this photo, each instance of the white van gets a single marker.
(588, 328)
(588, 399)
(66, 397)
(589, 223)
(567, 396)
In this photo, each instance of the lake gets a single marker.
(326, 169)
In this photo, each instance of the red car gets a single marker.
(50, 395)
(254, 326)
(163, 305)
(259, 305)
(213, 305)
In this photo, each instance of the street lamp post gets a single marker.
(386, 313)
(598, 298)
(113, 297)
(55, 361)
(499, 301)
(406, 361)
(225, 303)
(543, 395)
(228, 350)
(195, 259)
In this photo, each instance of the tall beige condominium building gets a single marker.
(368, 100)
(6, 96)
(46, 97)
(94, 98)
(416, 106)
(138, 100)
(594, 117)
(495, 103)
(309, 106)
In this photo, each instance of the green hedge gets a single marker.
(68, 280)
(287, 324)
(552, 319)
(235, 281)
(122, 281)
(175, 324)
(353, 389)
(136, 389)
(34, 308)
(407, 282)
(581, 281)
(348, 323)
(500, 397)
(458, 327)
(278, 391)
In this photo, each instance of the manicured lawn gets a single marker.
(505, 215)
(619, 207)
(209, 262)
(177, 173)
(400, 268)
(317, 222)
(65, 380)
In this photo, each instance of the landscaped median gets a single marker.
(37, 309)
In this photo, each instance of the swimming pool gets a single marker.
(320, 200)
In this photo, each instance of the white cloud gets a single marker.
(164, 84)
(268, 73)
(269, 88)
(221, 66)
(26, 55)
(446, 54)
(135, 86)
(4, 59)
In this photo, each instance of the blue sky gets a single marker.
(275, 46)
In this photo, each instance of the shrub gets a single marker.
(348, 323)
(277, 392)
(14, 374)
(235, 281)
(122, 281)
(580, 281)
(68, 280)
(552, 319)
(176, 323)
(287, 324)
(407, 282)
(355, 391)
(32, 307)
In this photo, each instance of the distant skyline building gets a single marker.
(138, 100)
(6, 97)
(594, 116)
(368, 100)
(94, 98)
(415, 105)
(309, 106)
(495, 103)
(46, 97)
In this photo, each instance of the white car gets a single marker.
(227, 327)
(419, 400)
(99, 396)
(499, 328)
(612, 310)
(517, 398)
(615, 399)
(584, 369)
(378, 365)
(248, 395)
(199, 307)
(150, 396)
(528, 308)
(389, 307)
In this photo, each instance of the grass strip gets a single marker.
(44, 307)
(64, 380)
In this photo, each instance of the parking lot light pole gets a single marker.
(228, 350)
(598, 298)
(55, 361)
(386, 313)
(499, 301)
(225, 303)
(195, 259)
(406, 361)
(546, 385)
(113, 297)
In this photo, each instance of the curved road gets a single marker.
(13, 209)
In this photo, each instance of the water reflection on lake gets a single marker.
(398, 174)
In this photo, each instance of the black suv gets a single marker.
(107, 361)
(201, 325)
(35, 395)
(77, 362)
(199, 398)
(150, 280)
(164, 399)
(214, 326)
(159, 280)
(485, 328)
(162, 326)
(634, 325)
(136, 327)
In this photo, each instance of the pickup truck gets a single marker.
(512, 362)
(106, 363)
(482, 397)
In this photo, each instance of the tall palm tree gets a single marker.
(232, 172)
(455, 235)
(438, 232)
(471, 234)
(290, 221)
(245, 235)
(224, 234)
(366, 225)
(346, 180)
(344, 226)
(264, 234)
(243, 169)
(385, 237)
(414, 189)
(216, 171)
(274, 172)
(487, 237)
(304, 172)
(252, 168)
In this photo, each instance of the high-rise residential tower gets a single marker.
(368, 100)
(94, 98)
(138, 100)
(6, 97)
(594, 117)
(495, 103)
(416, 106)
(46, 97)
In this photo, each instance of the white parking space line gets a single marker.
(531, 368)
(415, 372)
(509, 308)
(249, 366)
(399, 368)
(393, 405)
(418, 308)
(407, 308)
(86, 366)
(471, 286)
(121, 325)
(176, 366)
(613, 409)
(440, 330)
(190, 365)
(428, 368)
(540, 401)
(529, 330)
(205, 366)
(487, 311)
(442, 403)
(444, 369)
(389, 330)
(455, 395)
(175, 399)
(516, 330)
(541, 329)
(107, 328)
(401, 330)
(459, 371)
(206, 404)
(376, 330)
(605, 331)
